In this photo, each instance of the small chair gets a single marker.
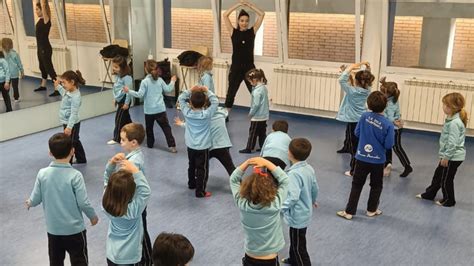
(184, 69)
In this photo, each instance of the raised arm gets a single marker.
(46, 11)
(260, 15)
(226, 15)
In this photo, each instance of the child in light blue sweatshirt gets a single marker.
(204, 68)
(259, 110)
(353, 104)
(152, 88)
(392, 113)
(124, 200)
(220, 140)
(15, 66)
(121, 100)
(275, 148)
(68, 88)
(298, 206)
(5, 82)
(62, 191)
(452, 150)
(131, 137)
(260, 202)
(197, 134)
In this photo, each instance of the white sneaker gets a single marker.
(17, 101)
(348, 173)
(387, 170)
(112, 142)
(172, 149)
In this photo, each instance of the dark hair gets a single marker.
(118, 193)
(390, 89)
(121, 61)
(377, 102)
(300, 148)
(2, 55)
(60, 145)
(364, 79)
(243, 13)
(134, 131)
(172, 249)
(280, 125)
(152, 69)
(198, 99)
(257, 74)
(74, 76)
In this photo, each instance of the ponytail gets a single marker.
(390, 89)
(151, 68)
(456, 102)
(74, 76)
(463, 116)
(257, 74)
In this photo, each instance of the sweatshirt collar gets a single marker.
(134, 152)
(456, 115)
(298, 165)
(60, 165)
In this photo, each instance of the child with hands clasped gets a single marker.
(260, 197)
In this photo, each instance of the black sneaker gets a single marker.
(55, 93)
(286, 261)
(407, 171)
(41, 88)
(245, 151)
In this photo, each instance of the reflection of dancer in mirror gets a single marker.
(243, 39)
(45, 50)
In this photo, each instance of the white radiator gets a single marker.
(220, 76)
(421, 100)
(307, 88)
(61, 59)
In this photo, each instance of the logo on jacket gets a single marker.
(368, 148)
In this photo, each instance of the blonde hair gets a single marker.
(204, 64)
(456, 102)
(7, 44)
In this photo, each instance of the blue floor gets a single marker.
(410, 231)
(30, 98)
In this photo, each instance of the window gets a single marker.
(431, 35)
(266, 39)
(188, 24)
(84, 21)
(6, 17)
(323, 31)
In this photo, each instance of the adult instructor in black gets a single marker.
(243, 40)
(45, 50)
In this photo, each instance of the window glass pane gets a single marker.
(266, 40)
(431, 35)
(324, 31)
(54, 32)
(84, 21)
(5, 16)
(188, 24)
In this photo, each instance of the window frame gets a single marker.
(415, 72)
(320, 63)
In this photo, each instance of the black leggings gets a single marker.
(223, 155)
(443, 178)
(122, 117)
(6, 97)
(45, 56)
(236, 76)
(398, 149)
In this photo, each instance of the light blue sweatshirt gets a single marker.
(262, 225)
(197, 135)
(208, 81)
(392, 111)
(62, 191)
(276, 145)
(119, 83)
(451, 141)
(259, 107)
(135, 156)
(4, 71)
(152, 90)
(125, 234)
(69, 109)
(14, 64)
(219, 135)
(353, 103)
(302, 193)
